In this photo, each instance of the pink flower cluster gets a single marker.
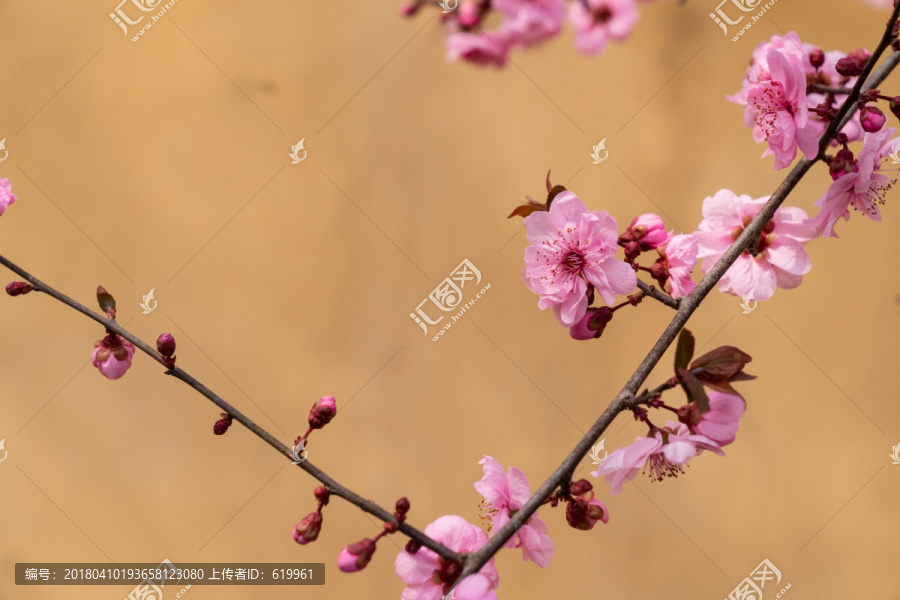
(666, 450)
(791, 91)
(525, 23)
(780, 101)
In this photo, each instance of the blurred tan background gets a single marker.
(164, 164)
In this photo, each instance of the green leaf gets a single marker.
(693, 387)
(685, 350)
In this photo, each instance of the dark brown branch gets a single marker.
(333, 486)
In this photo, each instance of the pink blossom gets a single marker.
(596, 21)
(678, 259)
(112, 356)
(428, 577)
(662, 454)
(523, 23)
(780, 260)
(780, 112)
(504, 494)
(570, 248)
(758, 71)
(863, 189)
(6, 195)
(790, 47)
(531, 21)
(485, 49)
(720, 423)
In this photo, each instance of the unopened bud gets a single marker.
(222, 425)
(816, 57)
(871, 118)
(356, 556)
(322, 412)
(307, 530)
(17, 288)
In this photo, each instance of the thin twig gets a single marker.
(333, 486)
(654, 293)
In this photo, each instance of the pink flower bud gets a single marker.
(307, 530)
(871, 118)
(17, 288)
(112, 356)
(356, 556)
(6, 195)
(166, 344)
(816, 57)
(402, 506)
(591, 324)
(222, 425)
(322, 494)
(650, 231)
(322, 412)
(468, 14)
(583, 515)
(408, 9)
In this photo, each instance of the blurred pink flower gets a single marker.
(504, 494)
(428, 577)
(863, 189)
(662, 455)
(720, 423)
(780, 260)
(486, 49)
(6, 195)
(530, 21)
(112, 356)
(596, 21)
(779, 109)
(569, 248)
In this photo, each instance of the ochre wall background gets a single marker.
(163, 164)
